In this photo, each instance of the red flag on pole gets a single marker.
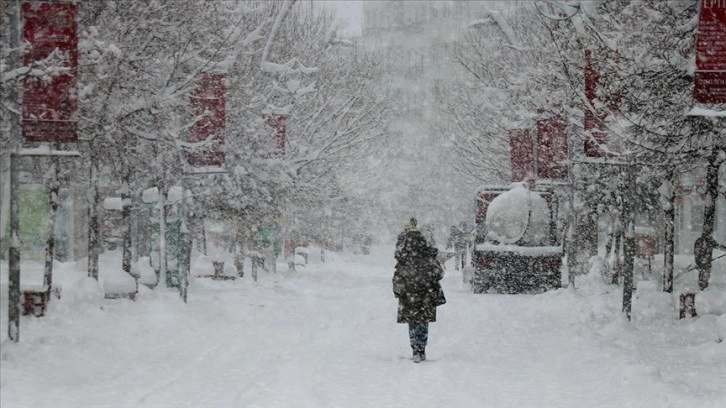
(279, 131)
(208, 101)
(521, 152)
(50, 102)
(552, 148)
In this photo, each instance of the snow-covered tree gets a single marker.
(331, 97)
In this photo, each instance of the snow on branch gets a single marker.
(568, 9)
(286, 6)
(141, 133)
(46, 150)
(341, 41)
(55, 64)
(291, 67)
(276, 110)
(698, 111)
(495, 17)
(251, 38)
(195, 145)
(505, 27)
(305, 90)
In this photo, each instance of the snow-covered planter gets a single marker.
(651, 304)
(146, 274)
(84, 292)
(711, 300)
(202, 266)
(116, 283)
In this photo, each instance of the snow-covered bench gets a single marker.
(209, 267)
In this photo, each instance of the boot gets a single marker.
(419, 355)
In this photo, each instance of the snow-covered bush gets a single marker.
(651, 304)
(83, 292)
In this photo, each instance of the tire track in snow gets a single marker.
(166, 383)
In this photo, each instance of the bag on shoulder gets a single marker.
(439, 299)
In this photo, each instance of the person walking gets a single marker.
(459, 241)
(401, 237)
(416, 286)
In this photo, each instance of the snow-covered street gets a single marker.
(326, 336)
(211, 204)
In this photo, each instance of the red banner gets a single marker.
(50, 103)
(279, 131)
(552, 148)
(208, 101)
(710, 76)
(521, 153)
(594, 123)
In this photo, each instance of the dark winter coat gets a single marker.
(416, 279)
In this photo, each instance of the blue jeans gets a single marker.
(419, 335)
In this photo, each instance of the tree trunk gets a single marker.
(14, 254)
(186, 243)
(588, 236)
(94, 224)
(135, 225)
(126, 226)
(14, 248)
(126, 229)
(4, 210)
(670, 248)
(53, 190)
(709, 216)
(619, 239)
(241, 247)
(185, 262)
(571, 250)
(629, 242)
(204, 237)
(163, 194)
(610, 241)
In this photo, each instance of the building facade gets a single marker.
(418, 41)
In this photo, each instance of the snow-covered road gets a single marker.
(326, 336)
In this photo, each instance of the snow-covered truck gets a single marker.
(517, 248)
